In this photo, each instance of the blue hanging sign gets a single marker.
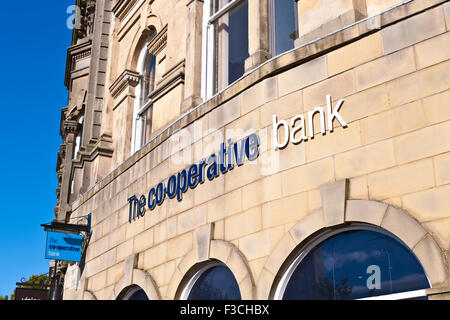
(63, 246)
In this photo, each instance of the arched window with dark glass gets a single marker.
(132, 293)
(211, 281)
(354, 263)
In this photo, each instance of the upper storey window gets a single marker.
(146, 67)
(227, 47)
(283, 27)
(238, 33)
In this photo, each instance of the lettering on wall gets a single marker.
(303, 129)
(229, 155)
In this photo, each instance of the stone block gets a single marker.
(441, 169)
(401, 180)
(280, 253)
(179, 246)
(192, 219)
(243, 224)
(304, 75)
(386, 68)
(308, 225)
(433, 51)
(314, 200)
(413, 30)
(237, 264)
(420, 84)
(333, 196)
(284, 107)
(358, 188)
(143, 241)
(392, 123)
(209, 190)
(430, 256)
(285, 210)
(446, 8)
(403, 226)
(355, 54)
(436, 108)
(224, 114)
(440, 229)
(263, 190)
(364, 160)
(365, 103)
(125, 249)
(338, 86)
(365, 211)
(252, 98)
(203, 237)
(264, 284)
(423, 143)
(256, 245)
(155, 256)
(430, 204)
(340, 140)
(307, 177)
(225, 205)
(221, 250)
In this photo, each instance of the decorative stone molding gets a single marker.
(219, 250)
(158, 43)
(170, 80)
(75, 55)
(70, 126)
(392, 219)
(126, 79)
(141, 278)
(86, 19)
(122, 8)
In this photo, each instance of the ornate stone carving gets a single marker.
(86, 19)
(127, 78)
(158, 43)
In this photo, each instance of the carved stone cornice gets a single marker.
(123, 7)
(158, 43)
(75, 54)
(84, 24)
(172, 78)
(103, 147)
(127, 78)
(70, 126)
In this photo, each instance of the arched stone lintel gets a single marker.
(207, 249)
(337, 211)
(134, 276)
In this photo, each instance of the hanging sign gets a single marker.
(63, 246)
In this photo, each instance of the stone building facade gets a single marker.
(203, 132)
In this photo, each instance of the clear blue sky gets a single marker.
(34, 39)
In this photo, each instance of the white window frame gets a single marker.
(138, 130)
(208, 76)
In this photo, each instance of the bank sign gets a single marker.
(234, 154)
(63, 246)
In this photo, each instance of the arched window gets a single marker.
(132, 293)
(353, 263)
(212, 281)
(146, 66)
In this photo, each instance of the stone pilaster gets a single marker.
(192, 84)
(70, 129)
(258, 33)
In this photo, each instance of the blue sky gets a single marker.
(34, 38)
